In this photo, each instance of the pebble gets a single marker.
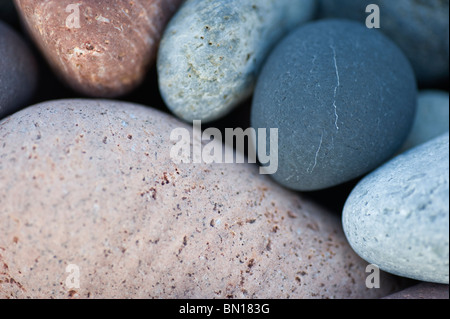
(90, 184)
(18, 71)
(422, 291)
(103, 48)
(407, 23)
(432, 118)
(343, 98)
(398, 217)
(212, 50)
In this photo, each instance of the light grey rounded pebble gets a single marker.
(432, 118)
(212, 50)
(398, 217)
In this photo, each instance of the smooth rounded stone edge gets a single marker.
(398, 216)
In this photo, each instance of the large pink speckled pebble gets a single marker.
(100, 48)
(91, 183)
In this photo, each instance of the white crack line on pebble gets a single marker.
(310, 171)
(336, 88)
(313, 64)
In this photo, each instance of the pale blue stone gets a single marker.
(212, 50)
(398, 216)
(432, 118)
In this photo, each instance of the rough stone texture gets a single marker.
(18, 71)
(422, 291)
(343, 98)
(211, 52)
(419, 27)
(91, 183)
(432, 118)
(111, 51)
(398, 217)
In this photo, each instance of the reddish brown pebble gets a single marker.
(423, 291)
(100, 48)
(140, 226)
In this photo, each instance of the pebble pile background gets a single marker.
(363, 119)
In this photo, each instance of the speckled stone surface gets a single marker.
(398, 217)
(343, 98)
(18, 71)
(110, 52)
(432, 118)
(419, 27)
(91, 183)
(422, 291)
(211, 52)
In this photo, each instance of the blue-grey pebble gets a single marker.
(343, 98)
(420, 29)
(18, 71)
(212, 50)
(398, 217)
(432, 118)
